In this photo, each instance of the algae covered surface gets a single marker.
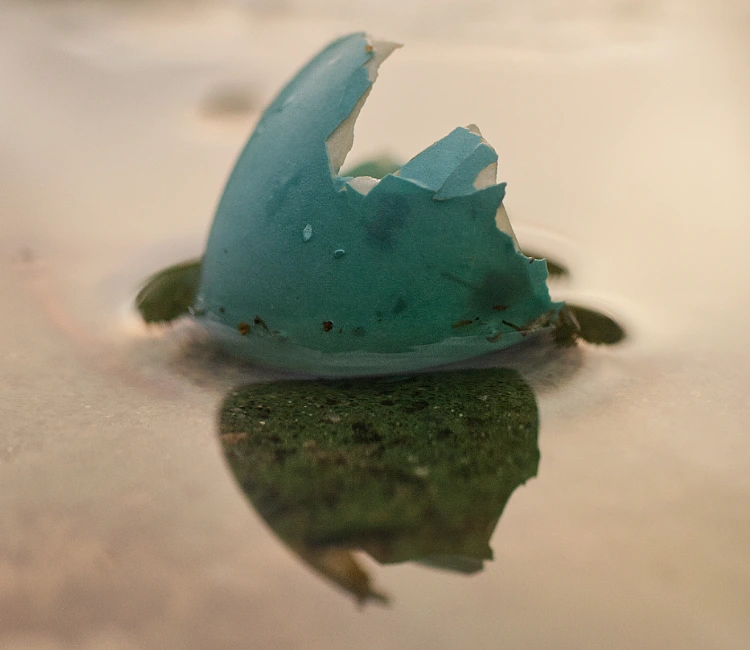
(169, 293)
(414, 468)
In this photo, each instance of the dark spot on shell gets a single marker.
(222, 310)
(499, 289)
(399, 306)
(461, 323)
(243, 328)
(388, 215)
(540, 322)
(259, 321)
(359, 331)
(327, 325)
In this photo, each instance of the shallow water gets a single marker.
(626, 150)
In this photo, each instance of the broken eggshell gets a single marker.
(311, 271)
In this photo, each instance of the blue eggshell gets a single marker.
(311, 271)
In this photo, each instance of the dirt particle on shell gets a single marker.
(243, 328)
(327, 325)
(461, 323)
(259, 321)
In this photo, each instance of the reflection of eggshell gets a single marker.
(308, 270)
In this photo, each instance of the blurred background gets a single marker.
(622, 132)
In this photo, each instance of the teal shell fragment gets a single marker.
(450, 166)
(311, 271)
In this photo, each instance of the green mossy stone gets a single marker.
(375, 168)
(555, 269)
(595, 327)
(170, 293)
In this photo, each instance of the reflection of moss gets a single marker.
(413, 468)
